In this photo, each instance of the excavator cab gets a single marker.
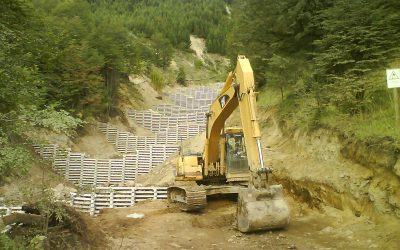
(237, 166)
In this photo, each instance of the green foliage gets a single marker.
(268, 97)
(330, 55)
(163, 50)
(20, 126)
(53, 213)
(181, 77)
(58, 121)
(359, 37)
(262, 28)
(198, 63)
(216, 37)
(24, 88)
(37, 242)
(278, 73)
(8, 244)
(13, 158)
(76, 52)
(20, 82)
(175, 20)
(157, 79)
(377, 124)
(85, 56)
(44, 200)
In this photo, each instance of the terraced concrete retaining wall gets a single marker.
(190, 102)
(127, 142)
(115, 197)
(4, 210)
(187, 125)
(106, 197)
(82, 170)
(170, 110)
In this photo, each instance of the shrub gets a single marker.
(181, 77)
(157, 79)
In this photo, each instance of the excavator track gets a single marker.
(190, 198)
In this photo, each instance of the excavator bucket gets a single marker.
(261, 209)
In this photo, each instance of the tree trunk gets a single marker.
(111, 81)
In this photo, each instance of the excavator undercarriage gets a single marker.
(258, 209)
(189, 198)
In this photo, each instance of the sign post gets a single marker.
(393, 82)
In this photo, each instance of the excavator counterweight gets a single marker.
(232, 157)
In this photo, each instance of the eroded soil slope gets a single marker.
(312, 168)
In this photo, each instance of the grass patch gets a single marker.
(268, 97)
(379, 123)
(300, 111)
(196, 73)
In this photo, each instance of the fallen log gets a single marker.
(27, 219)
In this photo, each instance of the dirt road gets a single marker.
(166, 227)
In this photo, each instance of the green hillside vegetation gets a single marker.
(327, 59)
(85, 49)
(26, 104)
(173, 20)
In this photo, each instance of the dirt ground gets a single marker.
(149, 94)
(94, 144)
(163, 175)
(164, 226)
(198, 45)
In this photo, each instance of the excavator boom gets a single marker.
(238, 91)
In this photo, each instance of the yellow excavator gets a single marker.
(232, 160)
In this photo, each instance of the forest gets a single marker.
(326, 59)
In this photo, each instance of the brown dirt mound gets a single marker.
(75, 231)
(164, 174)
(79, 232)
(94, 144)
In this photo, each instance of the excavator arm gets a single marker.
(220, 110)
(239, 90)
(260, 206)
